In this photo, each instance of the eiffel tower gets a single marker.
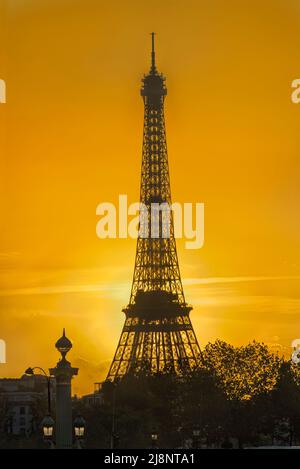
(158, 335)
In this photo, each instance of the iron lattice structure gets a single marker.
(158, 335)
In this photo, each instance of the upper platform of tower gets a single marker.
(153, 84)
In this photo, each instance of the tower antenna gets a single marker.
(153, 67)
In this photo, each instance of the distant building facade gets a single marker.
(96, 398)
(21, 400)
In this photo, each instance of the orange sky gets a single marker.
(71, 136)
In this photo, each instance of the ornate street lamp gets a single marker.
(79, 431)
(154, 439)
(79, 427)
(30, 372)
(48, 427)
(47, 422)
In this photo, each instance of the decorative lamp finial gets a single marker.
(63, 344)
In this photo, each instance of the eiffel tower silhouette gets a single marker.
(158, 335)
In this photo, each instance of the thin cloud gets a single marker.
(61, 289)
(224, 280)
(119, 288)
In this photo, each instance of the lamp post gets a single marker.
(154, 440)
(47, 422)
(30, 372)
(196, 438)
(63, 373)
(114, 437)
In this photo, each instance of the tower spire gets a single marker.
(153, 67)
